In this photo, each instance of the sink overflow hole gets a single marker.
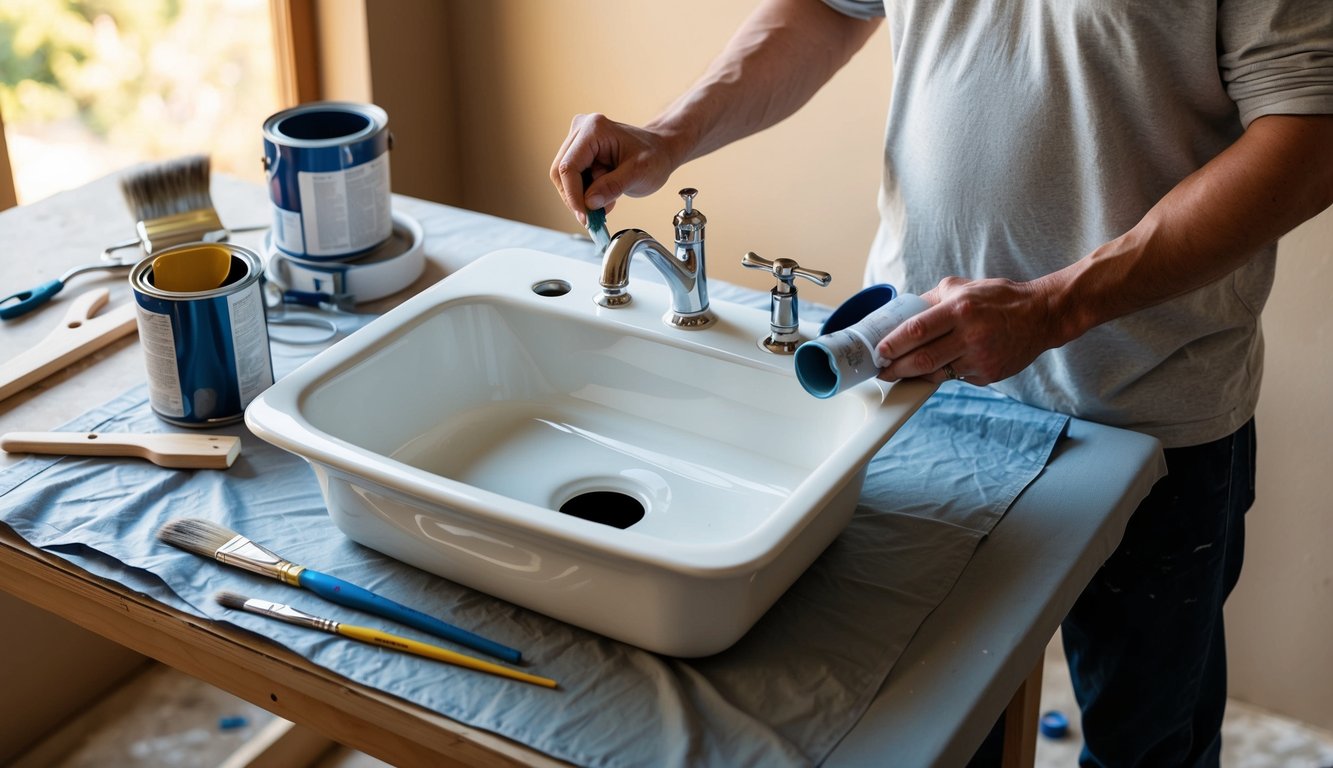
(551, 288)
(618, 510)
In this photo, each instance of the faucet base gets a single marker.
(612, 298)
(779, 346)
(691, 322)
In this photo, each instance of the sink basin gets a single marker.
(659, 486)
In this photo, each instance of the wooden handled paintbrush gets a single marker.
(292, 615)
(172, 204)
(206, 538)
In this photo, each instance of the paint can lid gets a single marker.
(386, 270)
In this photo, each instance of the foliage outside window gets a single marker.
(88, 87)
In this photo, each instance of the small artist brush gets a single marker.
(206, 538)
(596, 220)
(373, 636)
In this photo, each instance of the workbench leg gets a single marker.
(1020, 722)
(280, 744)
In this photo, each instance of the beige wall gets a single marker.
(1280, 618)
(417, 90)
(343, 58)
(804, 189)
(395, 57)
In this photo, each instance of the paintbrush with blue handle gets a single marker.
(206, 538)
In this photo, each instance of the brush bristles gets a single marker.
(596, 220)
(232, 600)
(202, 537)
(176, 186)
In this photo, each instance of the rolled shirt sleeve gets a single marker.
(860, 9)
(1276, 56)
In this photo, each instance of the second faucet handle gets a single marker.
(785, 270)
(784, 317)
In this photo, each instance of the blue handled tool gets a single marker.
(25, 301)
(336, 590)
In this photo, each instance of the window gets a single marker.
(88, 87)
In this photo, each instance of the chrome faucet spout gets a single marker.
(682, 268)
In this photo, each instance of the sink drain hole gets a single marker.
(613, 508)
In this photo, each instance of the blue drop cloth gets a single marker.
(785, 694)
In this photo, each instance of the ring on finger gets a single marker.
(950, 373)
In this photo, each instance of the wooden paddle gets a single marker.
(78, 335)
(168, 449)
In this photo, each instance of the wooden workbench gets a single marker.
(961, 669)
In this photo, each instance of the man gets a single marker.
(1089, 194)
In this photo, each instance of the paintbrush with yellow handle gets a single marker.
(373, 636)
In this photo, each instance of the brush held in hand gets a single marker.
(597, 230)
(374, 637)
(208, 539)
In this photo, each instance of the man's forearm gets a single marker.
(779, 58)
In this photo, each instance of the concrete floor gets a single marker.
(164, 719)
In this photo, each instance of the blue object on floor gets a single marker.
(1054, 725)
(232, 722)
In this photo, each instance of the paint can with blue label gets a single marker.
(206, 351)
(327, 165)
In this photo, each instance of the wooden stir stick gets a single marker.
(168, 449)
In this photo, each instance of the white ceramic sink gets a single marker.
(450, 432)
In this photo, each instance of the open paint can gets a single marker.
(327, 165)
(206, 351)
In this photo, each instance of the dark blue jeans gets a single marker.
(1145, 640)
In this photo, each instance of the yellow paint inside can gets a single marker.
(188, 270)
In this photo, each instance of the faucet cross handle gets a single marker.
(784, 320)
(785, 270)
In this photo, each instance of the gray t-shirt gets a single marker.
(1021, 135)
